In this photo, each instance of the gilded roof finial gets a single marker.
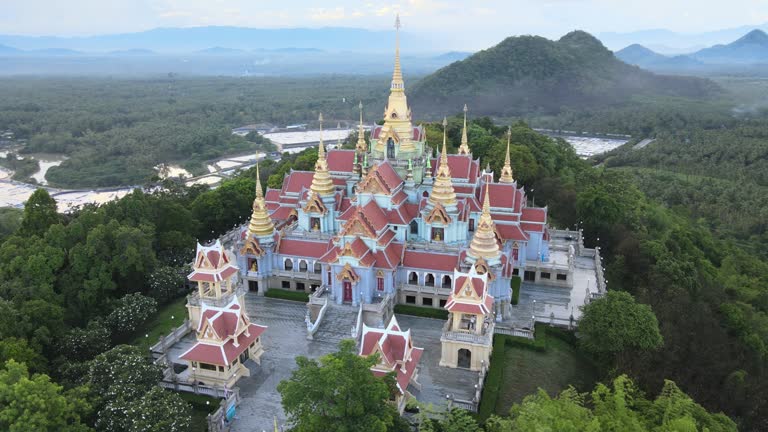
(484, 244)
(322, 184)
(260, 224)
(506, 171)
(361, 147)
(464, 147)
(442, 191)
(397, 74)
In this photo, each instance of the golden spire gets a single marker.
(322, 184)
(260, 224)
(464, 147)
(397, 75)
(361, 147)
(484, 242)
(506, 172)
(442, 191)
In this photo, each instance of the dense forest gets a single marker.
(116, 131)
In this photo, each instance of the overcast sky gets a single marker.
(468, 24)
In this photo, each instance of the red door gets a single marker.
(347, 291)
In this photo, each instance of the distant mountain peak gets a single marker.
(756, 36)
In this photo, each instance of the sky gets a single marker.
(467, 24)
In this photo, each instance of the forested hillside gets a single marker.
(530, 75)
(116, 131)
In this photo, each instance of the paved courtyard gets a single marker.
(286, 338)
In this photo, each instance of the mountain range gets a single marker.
(192, 39)
(528, 74)
(750, 49)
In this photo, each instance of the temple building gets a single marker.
(467, 338)
(392, 220)
(397, 355)
(226, 338)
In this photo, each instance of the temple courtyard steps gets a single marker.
(337, 324)
(286, 338)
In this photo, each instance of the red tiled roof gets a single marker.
(340, 160)
(463, 189)
(272, 195)
(389, 257)
(501, 195)
(534, 214)
(223, 354)
(404, 377)
(297, 180)
(282, 213)
(471, 308)
(511, 232)
(302, 248)
(462, 167)
(430, 260)
(508, 217)
(532, 227)
(388, 175)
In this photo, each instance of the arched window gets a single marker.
(390, 148)
(288, 265)
(380, 281)
(302, 266)
(413, 278)
(318, 267)
(446, 281)
(414, 227)
(425, 194)
(429, 280)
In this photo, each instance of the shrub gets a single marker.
(420, 311)
(516, 281)
(287, 295)
(493, 379)
(131, 312)
(166, 283)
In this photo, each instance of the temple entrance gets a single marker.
(390, 148)
(253, 286)
(465, 358)
(347, 287)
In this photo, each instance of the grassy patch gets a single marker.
(516, 281)
(165, 320)
(201, 407)
(287, 295)
(551, 362)
(419, 311)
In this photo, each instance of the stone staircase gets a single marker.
(337, 324)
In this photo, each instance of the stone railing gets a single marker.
(193, 299)
(165, 342)
(297, 274)
(514, 331)
(218, 421)
(312, 327)
(601, 286)
(474, 404)
(358, 327)
(468, 336)
(215, 392)
(435, 246)
(293, 232)
(426, 289)
(320, 296)
(380, 306)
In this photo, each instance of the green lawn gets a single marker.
(552, 363)
(165, 320)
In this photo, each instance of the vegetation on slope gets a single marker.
(529, 75)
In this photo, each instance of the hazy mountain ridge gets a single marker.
(186, 40)
(528, 74)
(750, 49)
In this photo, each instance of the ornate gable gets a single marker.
(315, 204)
(252, 247)
(438, 215)
(347, 273)
(357, 226)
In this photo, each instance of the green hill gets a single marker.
(532, 75)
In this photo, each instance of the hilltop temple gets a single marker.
(390, 221)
